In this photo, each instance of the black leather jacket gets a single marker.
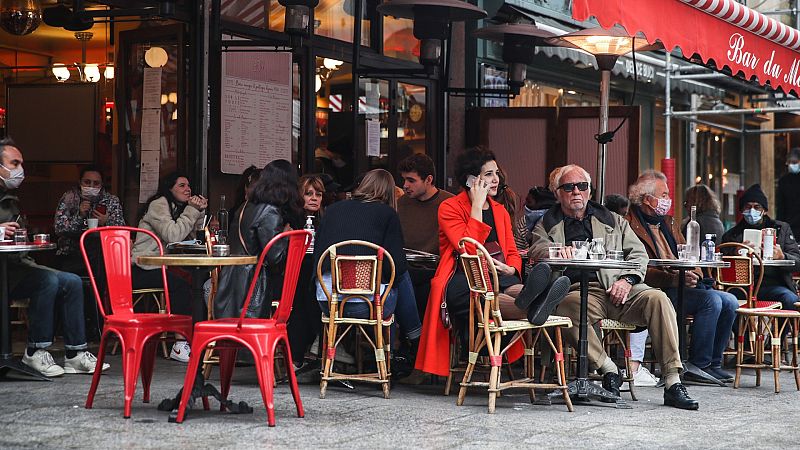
(258, 225)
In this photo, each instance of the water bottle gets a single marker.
(693, 237)
(708, 248)
(768, 243)
(309, 226)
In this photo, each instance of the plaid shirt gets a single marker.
(70, 224)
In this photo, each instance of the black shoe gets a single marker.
(677, 397)
(535, 284)
(718, 373)
(401, 367)
(547, 302)
(611, 382)
(695, 378)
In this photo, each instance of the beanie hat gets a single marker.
(753, 194)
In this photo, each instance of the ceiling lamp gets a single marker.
(297, 15)
(61, 72)
(20, 17)
(156, 57)
(91, 73)
(432, 19)
(109, 71)
(331, 64)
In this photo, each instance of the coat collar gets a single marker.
(555, 215)
(497, 211)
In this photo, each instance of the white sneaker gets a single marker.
(42, 361)
(83, 362)
(644, 378)
(180, 351)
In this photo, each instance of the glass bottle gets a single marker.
(222, 219)
(309, 226)
(708, 248)
(693, 236)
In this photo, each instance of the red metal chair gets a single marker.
(138, 333)
(260, 336)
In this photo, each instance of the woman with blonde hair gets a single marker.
(371, 216)
(708, 210)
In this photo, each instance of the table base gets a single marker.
(583, 391)
(9, 364)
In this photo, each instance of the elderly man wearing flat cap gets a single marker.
(777, 284)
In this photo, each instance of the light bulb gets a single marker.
(331, 64)
(156, 57)
(92, 73)
(164, 99)
(173, 97)
(317, 83)
(109, 72)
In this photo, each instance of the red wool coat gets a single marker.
(455, 223)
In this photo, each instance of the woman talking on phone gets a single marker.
(473, 213)
(173, 214)
(87, 200)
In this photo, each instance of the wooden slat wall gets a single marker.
(582, 150)
(521, 149)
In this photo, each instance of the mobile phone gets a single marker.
(471, 181)
(101, 209)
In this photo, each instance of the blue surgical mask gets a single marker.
(752, 216)
(794, 168)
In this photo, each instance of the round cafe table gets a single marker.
(581, 387)
(197, 261)
(774, 262)
(682, 266)
(7, 361)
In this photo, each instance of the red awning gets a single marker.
(722, 32)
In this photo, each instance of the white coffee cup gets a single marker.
(2, 233)
(93, 223)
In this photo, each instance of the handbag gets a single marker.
(495, 251)
(444, 314)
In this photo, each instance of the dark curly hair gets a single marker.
(165, 190)
(277, 185)
(470, 161)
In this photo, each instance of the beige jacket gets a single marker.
(158, 219)
(551, 229)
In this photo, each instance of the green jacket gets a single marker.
(551, 229)
(19, 264)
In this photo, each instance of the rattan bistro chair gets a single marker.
(356, 277)
(487, 328)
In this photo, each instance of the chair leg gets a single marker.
(293, 378)
(562, 377)
(494, 377)
(227, 362)
(101, 356)
(132, 357)
(188, 380)
(795, 325)
(328, 343)
(453, 364)
(776, 352)
(628, 367)
(264, 369)
(740, 350)
(207, 367)
(148, 361)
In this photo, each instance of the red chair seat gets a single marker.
(150, 319)
(260, 336)
(770, 304)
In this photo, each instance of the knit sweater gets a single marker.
(419, 221)
(367, 221)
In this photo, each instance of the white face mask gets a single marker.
(90, 192)
(794, 168)
(15, 178)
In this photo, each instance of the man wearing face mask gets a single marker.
(88, 200)
(46, 288)
(777, 284)
(714, 311)
(789, 191)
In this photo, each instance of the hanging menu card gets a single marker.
(256, 109)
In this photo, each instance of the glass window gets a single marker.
(412, 114)
(398, 39)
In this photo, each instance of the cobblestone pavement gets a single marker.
(51, 415)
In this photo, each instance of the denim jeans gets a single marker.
(400, 301)
(714, 313)
(48, 289)
(782, 294)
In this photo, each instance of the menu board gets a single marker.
(256, 109)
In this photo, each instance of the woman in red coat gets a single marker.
(473, 213)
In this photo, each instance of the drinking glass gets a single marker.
(554, 250)
(580, 249)
(612, 242)
(21, 236)
(683, 253)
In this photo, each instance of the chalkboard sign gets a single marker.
(53, 122)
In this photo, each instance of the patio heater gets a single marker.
(606, 46)
(519, 46)
(432, 21)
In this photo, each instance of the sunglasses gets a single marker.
(569, 187)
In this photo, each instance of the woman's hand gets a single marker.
(83, 208)
(102, 219)
(198, 202)
(503, 268)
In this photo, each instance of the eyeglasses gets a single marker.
(569, 187)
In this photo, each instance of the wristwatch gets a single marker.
(630, 279)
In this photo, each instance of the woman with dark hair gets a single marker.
(473, 213)
(272, 206)
(371, 216)
(173, 214)
(249, 176)
(708, 210)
